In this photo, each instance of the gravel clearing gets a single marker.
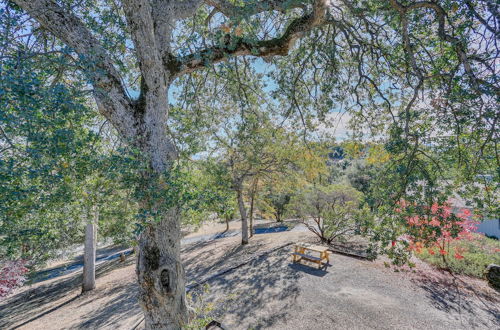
(351, 294)
(268, 292)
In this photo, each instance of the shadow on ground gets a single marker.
(255, 287)
(33, 304)
(204, 261)
(124, 303)
(307, 269)
(454, 296)
(121, 300)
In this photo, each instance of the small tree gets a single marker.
(435, 228)
(219, 194)
(276, 203)
(330, 212)
(257, 148)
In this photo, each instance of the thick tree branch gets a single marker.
(152, 107)
(162, 17)
(186, 8)
(110, 94)
(141, 25)
(254, 7)
(164, 13)
(237, 46)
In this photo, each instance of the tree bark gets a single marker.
(160, 274)
(243, 213)
(227, 223)
(251, 214)
(89, 253)
(161, 278)
(252, 200)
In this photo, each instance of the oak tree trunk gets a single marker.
(89, 254)
(160, 274)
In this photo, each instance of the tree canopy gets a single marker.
(419, 80)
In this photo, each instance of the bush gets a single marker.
(330, 212)
(477, 255)
(203, 309)
(12, 276)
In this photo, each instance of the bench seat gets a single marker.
(306, 256)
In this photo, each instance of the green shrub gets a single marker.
(330, 212)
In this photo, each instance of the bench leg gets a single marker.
(324, 256)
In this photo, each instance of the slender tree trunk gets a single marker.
(227, 222)
(243, 213)
(252, 201)
(89, 253)
(251, 219)
(252, 197)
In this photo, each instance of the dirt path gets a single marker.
(208, 232)
(267, 293)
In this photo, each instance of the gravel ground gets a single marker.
(268, 292)
(273, 293)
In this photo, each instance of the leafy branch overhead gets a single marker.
(351, 50)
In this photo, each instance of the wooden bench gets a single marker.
(300, 253)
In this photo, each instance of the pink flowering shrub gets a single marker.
(12, 276)
(434, 228)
